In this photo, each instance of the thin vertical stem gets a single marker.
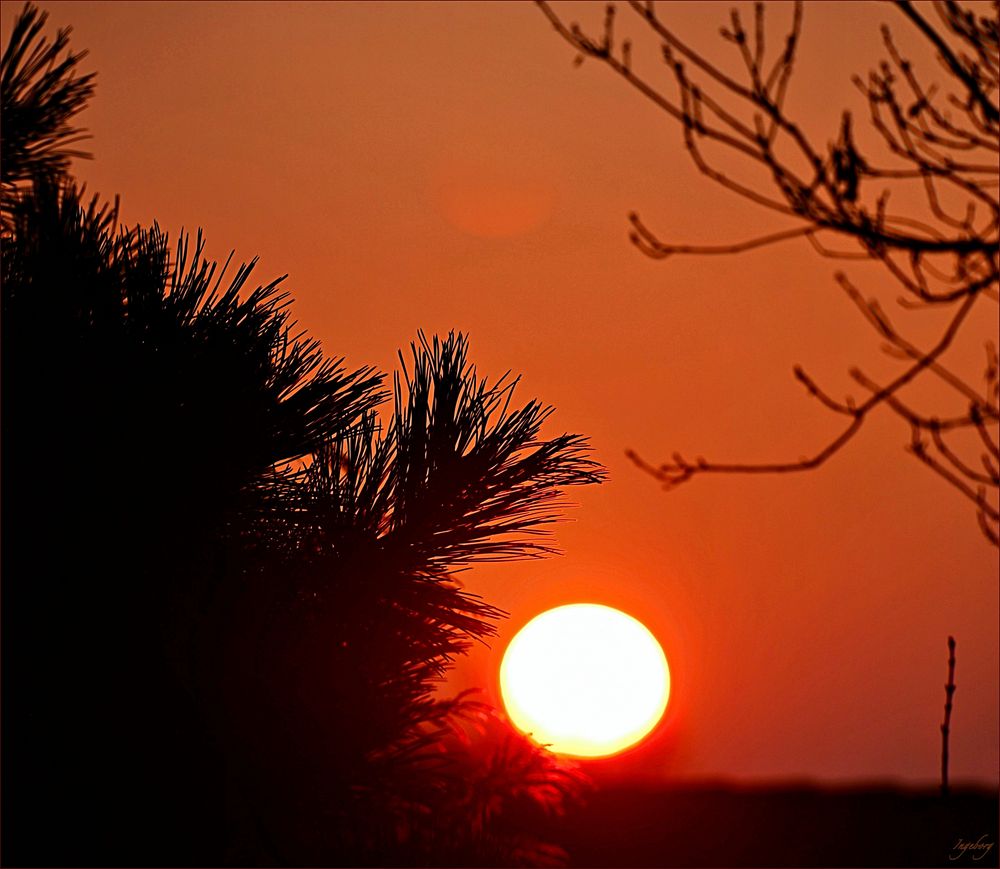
(949, 691)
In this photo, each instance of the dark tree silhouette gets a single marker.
(941, 141)
(353, 614)
(227, 602)
(143, 408)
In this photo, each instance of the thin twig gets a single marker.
(949, 692)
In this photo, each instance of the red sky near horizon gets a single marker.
(445, 166)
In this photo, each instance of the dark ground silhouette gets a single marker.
(715, 824)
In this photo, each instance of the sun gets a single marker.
(585, 679)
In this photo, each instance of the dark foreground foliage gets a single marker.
(228, 596)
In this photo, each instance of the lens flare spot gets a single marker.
(492, 199)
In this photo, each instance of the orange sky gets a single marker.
(443, 165)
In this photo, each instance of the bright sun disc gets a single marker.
(586, 680)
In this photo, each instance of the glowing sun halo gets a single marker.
(585, 679)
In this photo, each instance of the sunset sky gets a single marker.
(444, 166)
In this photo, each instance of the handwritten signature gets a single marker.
(977, 850)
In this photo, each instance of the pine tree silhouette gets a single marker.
(358, 614)
(227, 598)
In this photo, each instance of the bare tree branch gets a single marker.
(944, 138)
